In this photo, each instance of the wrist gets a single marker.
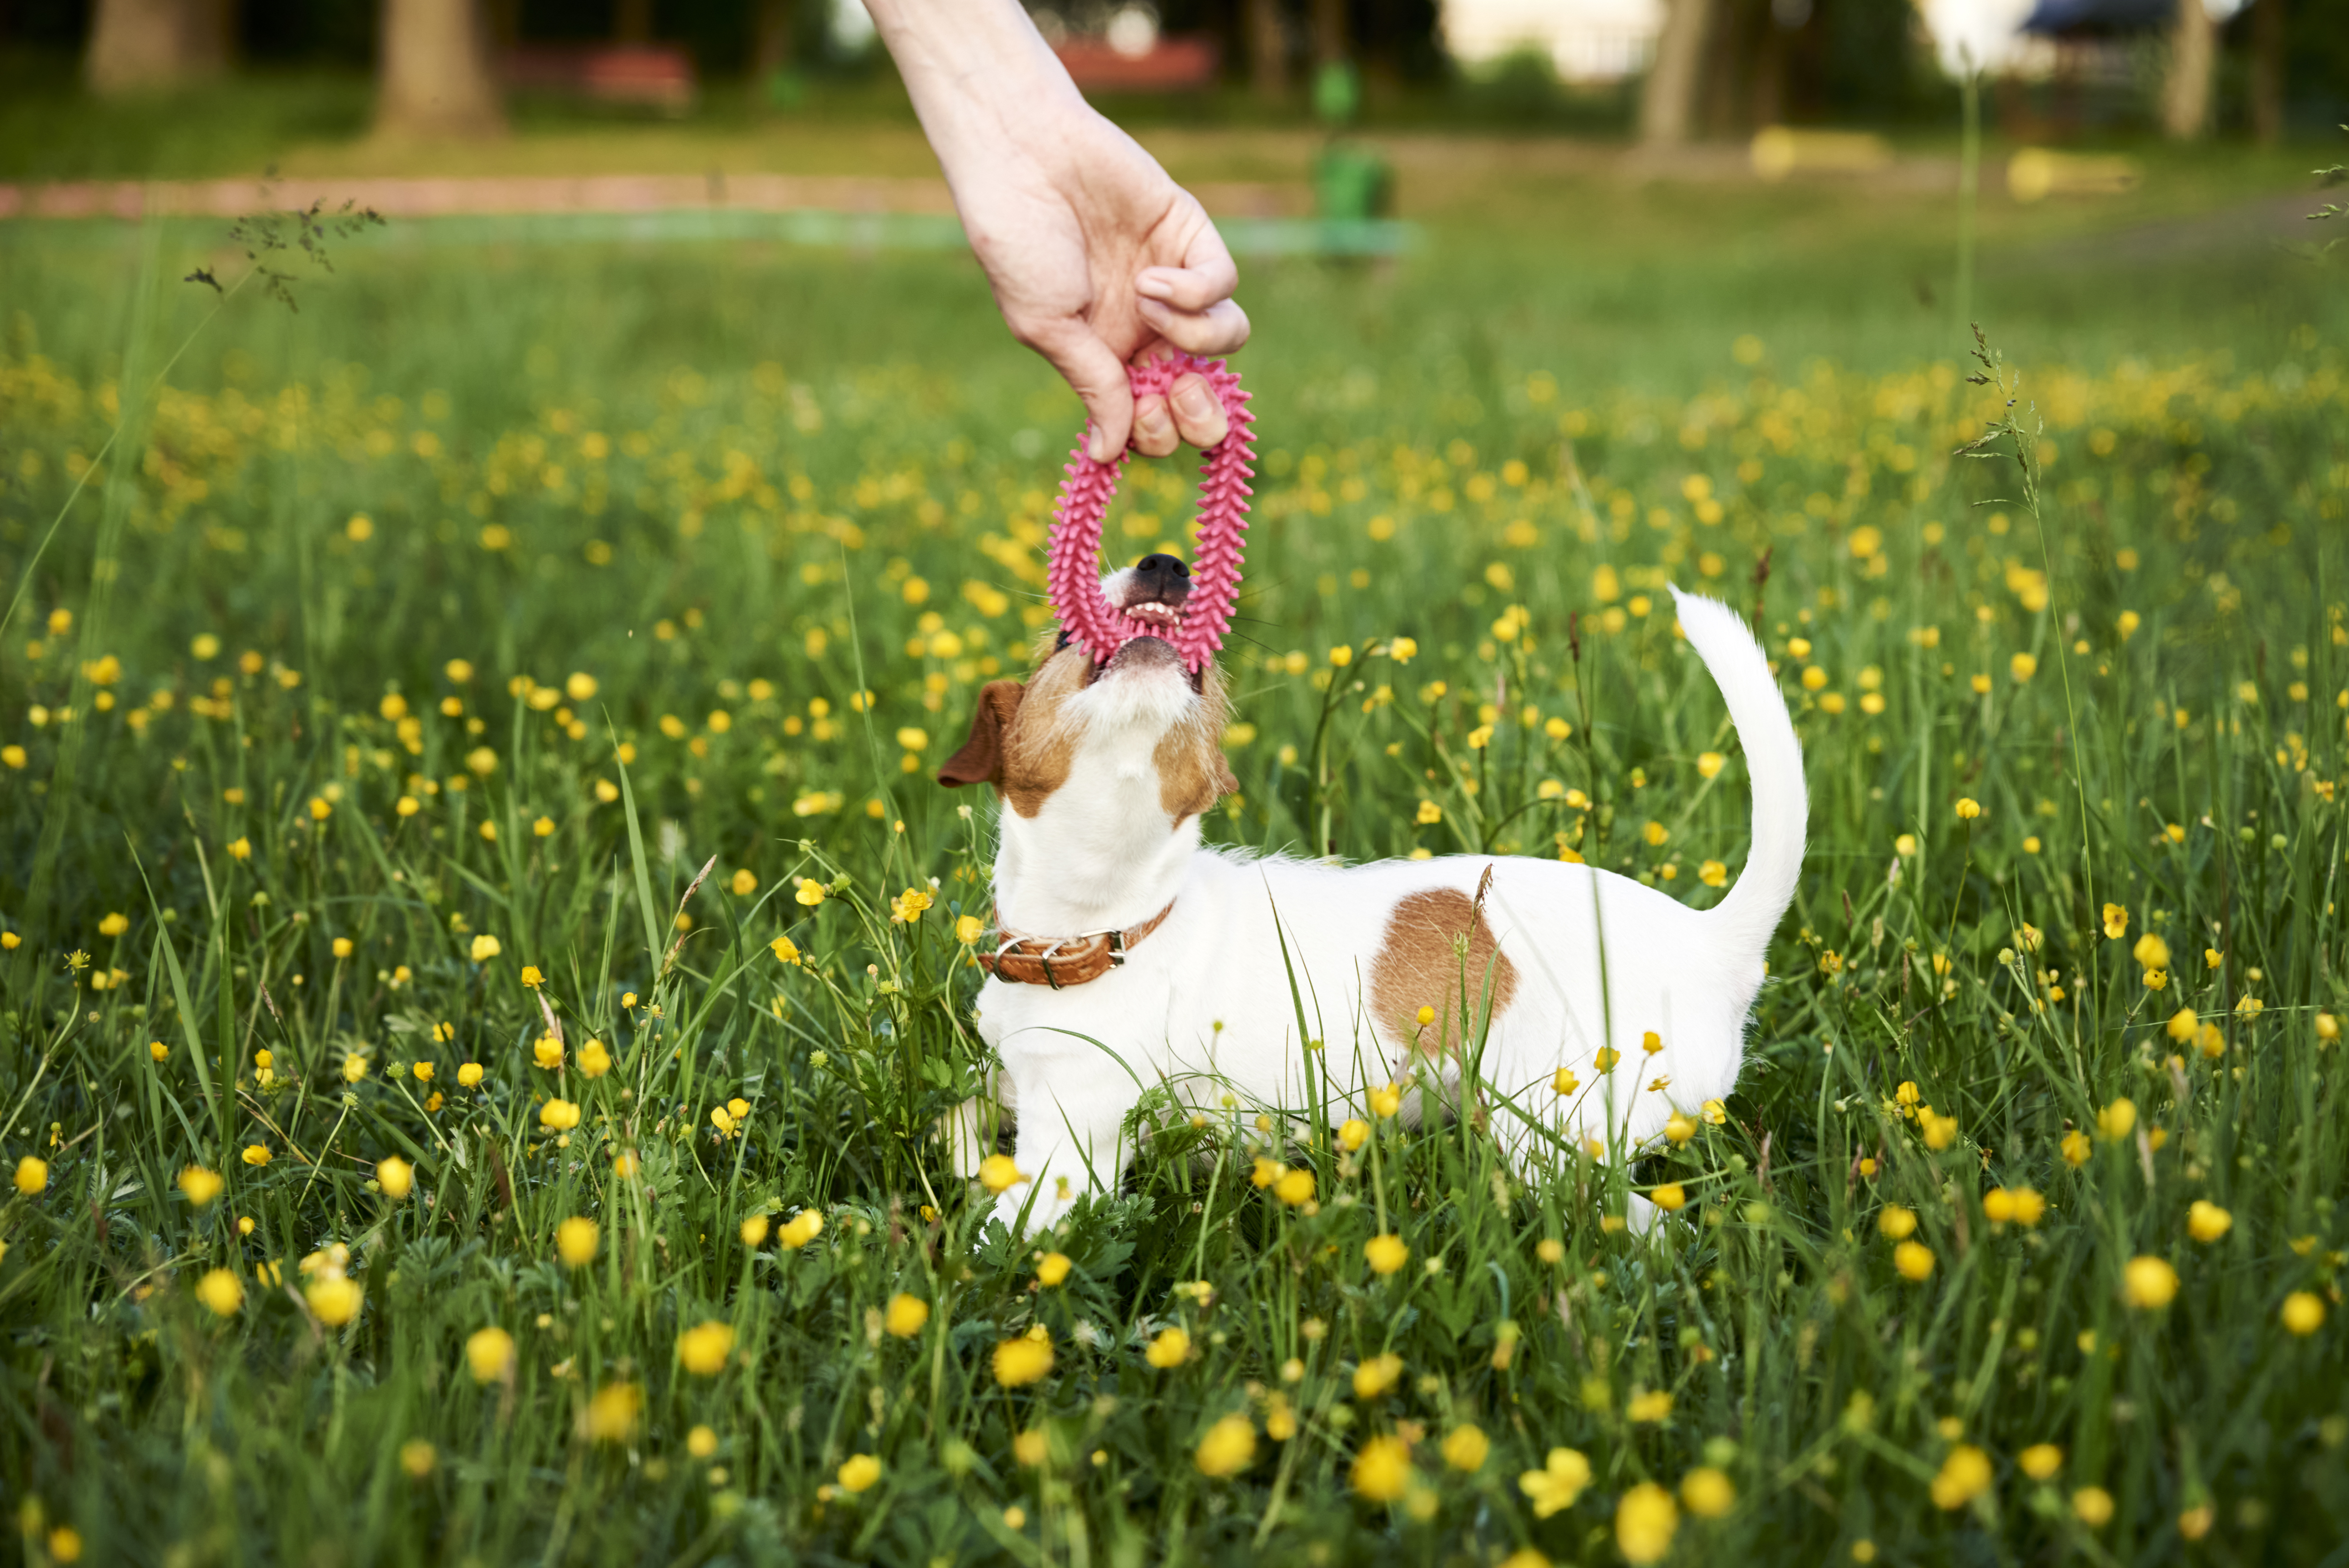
(979, 74)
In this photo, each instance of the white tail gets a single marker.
(1774, 760)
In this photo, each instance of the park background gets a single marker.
(505, 506)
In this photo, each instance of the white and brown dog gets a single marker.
(1128, 954)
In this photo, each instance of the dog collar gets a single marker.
(1067, 960)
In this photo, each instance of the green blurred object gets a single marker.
(1337, 93)
(786, 88)
(1352, 182)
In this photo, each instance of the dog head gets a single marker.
(1126, 740)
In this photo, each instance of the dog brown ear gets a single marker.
(980, 760)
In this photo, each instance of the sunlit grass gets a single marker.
(414, 1148)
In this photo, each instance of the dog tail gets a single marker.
(1774, 760)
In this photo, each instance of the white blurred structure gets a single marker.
(1985, 35)
(1585, 40)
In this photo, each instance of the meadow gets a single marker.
(484, 959)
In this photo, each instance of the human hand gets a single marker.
(1098, 260)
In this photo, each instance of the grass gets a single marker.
(499, 590)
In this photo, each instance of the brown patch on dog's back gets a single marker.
(1419, 965)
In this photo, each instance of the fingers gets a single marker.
(1155, 434)
(1095, 373)
(1218, 329)
(1199, 415)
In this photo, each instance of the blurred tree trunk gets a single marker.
(1267, 49)
(632, 21)
(2266, 84)
(772, 24)
(2185, 91)
(1668, 102)
(143, 46)
(435, 77)
(1767, 105)
(1332, 32)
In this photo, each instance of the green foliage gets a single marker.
(459, 645)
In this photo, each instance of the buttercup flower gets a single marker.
(1645, 1522)
(1558, 1483)
(1386, 1254)
(905, 1316)
(490, 1354)
(1228, 1448)
(702, 1349)
(1025, 1360)
(1383, 1468)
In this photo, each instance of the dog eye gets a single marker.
(1060, 643)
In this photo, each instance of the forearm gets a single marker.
(978, 71)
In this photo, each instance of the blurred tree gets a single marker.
(1668, 102)
(2267, 74)
(434, 78)
(2185, 87)
(1333, 32)
(773, 24)
(146, 45)
(1268, 40)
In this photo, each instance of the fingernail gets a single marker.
(1096, 443)
(1193, 399)
(1153, 288)
(1155, 421)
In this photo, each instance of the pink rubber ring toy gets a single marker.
(1072, 576)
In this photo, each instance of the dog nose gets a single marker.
(1160, 569)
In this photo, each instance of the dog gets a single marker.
(1128, 954)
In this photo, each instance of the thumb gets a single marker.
(1095, 373)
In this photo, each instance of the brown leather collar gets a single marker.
(1067, 960)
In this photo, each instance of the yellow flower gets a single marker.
(2182, 1026)
(1714, 1112)
(2151, 951)
(65, 1544)
(558, 1115)
(611, 1415)
(1678, 1128)
(470, 1074)
(785, 950)
(1645, 1522)
(1965, 1475)
(485, 947)
(2040, 1461)
(489, 1355)
(2030, 1205)
(162, 1053)
(1228, 1448)
(2148, 1283)
(396, 1176)
(1386, 1102)
(335, 1298)
(1914, 1260)
(1265, 1172)
(1670, 1196)
(703, 1348)
(594, 1059)
(1554, 1488)
(202, 1186)
(1707, 1492)
(2117, 1119)
(2303, 1313)
(1051, 1269)
(1386, 1254)
(998, 1173)
(2115, 921)
(575, 1239)
(908, 906)
(1382, 1469)
(800, 1229)
(417, 1457)
(240, 848)
(2205, 1222)
(1033, 1448)
(1352, 1133)
(532, 977)
(1169, 1349)
(1713, 873)
(255, 1154)
(1373, 1378)
(1429, 813)
(753, 1230)
(547, 1051)
(1295, 1189)
(2076, 1147)
(1021, 1361)
(1466, 1447)
(859, 1473)
(1968, 809)
(1650, 1408)
(32, 1175)
(355, 1067)
(905, 1316)
(423, 1072)
(1896, 1224)
(2093, 1505)
(221, 1292)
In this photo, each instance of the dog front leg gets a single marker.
(1069, 1141)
